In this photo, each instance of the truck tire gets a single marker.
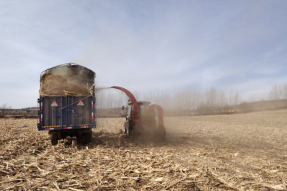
(87, 137)
(54, 139)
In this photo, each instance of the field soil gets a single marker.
(222, 152)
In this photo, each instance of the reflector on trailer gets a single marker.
(80, 103)
(54, 104)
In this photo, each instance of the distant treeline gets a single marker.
(183, 100)
(243, 107)
(6, 110)
(193, 102)
(187, 102)
(278, 92)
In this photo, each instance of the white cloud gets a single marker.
(144, 45)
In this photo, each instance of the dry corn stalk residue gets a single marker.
(226, 152)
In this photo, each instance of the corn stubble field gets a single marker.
(223, 152)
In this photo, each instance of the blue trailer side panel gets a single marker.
(66, 112)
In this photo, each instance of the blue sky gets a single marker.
(238, 46)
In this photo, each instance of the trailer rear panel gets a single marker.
(66, 112)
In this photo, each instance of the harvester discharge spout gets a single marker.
(133, 100)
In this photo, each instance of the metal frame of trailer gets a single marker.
(67, 114)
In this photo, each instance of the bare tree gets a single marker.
(137, 95)
(221, 99)
(195, 99)
(207, 102)
(230, 98)
(284, 91)
(236, 98)
(4, 109)
(179, 101)
(166, 100)
(211, 98)
(149, 97)
(275, 93)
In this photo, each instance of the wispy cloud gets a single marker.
(144, 45)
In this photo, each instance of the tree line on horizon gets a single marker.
(278, 92)
(209, 100)
(181, 100)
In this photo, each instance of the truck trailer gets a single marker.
(67, 102)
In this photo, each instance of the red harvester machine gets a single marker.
(141, 117)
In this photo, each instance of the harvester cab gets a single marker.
(141, 105)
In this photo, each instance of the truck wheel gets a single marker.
(79, 140)
(88, 137)
(54, 139)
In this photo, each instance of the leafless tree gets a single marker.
(179, 101)
(166, 100)
(230, 98)
(275, 93)
(233, 98)
(137, 95)
(251, 99)
(211, 98)
(284, 91)
(195, 99)
(4, 109)
(222, 100)
(236, 98)
(185, 100)
(149, 97)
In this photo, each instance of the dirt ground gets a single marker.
(223, 152)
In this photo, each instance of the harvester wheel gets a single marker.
(129, 131)
(161, 136)
(127, 128)
(54, 139)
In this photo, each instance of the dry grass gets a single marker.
(227, 152)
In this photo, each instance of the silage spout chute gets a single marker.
(133, 100)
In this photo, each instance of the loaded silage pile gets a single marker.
(66, 80)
